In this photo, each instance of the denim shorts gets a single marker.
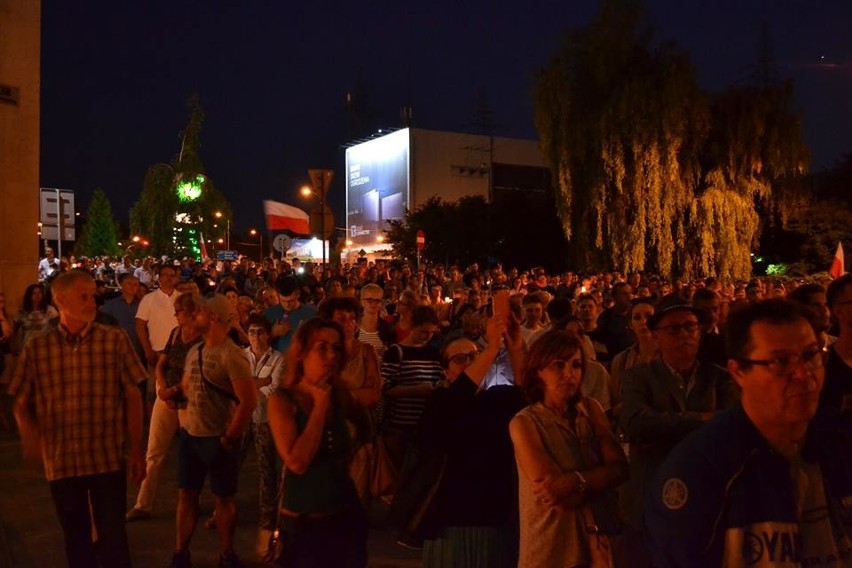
(199, 456)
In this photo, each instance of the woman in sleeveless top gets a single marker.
(565, 453)
(360, 376)
(322, 520)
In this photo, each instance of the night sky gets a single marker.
(273, 77)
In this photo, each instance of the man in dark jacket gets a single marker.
(765, 483)
(665, 400)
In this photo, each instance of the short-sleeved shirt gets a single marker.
(268, 367)
(404, 365)
(125, 314)
(209, 409)
(76, 387)
(275, 314)
(158, 309)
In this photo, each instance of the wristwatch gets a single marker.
(581, 485)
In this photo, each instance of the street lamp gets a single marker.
(255, 232)
(320, 184)
(219, 215)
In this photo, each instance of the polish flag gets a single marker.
(838, 266)
(203, 246)
(283, 217)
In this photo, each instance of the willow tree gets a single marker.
(651, 172)
(622, 124)
(178, 199)
(754, 152)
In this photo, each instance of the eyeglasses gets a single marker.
(560, 365)
(689, 327)
(786, 365)
(462, 358)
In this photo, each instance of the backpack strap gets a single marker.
(208, 383)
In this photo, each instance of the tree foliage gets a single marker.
(99, 236)
(154, 214)
(456, 232)
(650, 170)
(472, 230)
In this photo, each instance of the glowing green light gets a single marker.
(190, 189)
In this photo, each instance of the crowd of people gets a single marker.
(507, 417)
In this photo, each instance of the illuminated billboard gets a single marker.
(377, 186)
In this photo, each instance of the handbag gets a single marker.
(383, 474)
(275, 544)
(413, 506)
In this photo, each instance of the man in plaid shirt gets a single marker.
(79, 411)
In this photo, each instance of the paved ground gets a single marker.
(26, 510)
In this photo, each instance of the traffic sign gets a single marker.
(50, 208)
(320, 227)
(227, 255)
(282, 243)
(421, 239)
(321, 180)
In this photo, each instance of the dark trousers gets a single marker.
(337, 541)
(107, 493)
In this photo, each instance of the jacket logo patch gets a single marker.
(675, 494)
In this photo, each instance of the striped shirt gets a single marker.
(76, 387)
(372, 338)
(418, 365)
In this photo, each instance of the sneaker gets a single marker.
(137, 514)
(181, 559)
(229, 560)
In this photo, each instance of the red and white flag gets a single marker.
(283, 217)
(838, 266)
(203, 245)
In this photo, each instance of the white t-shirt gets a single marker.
(158, 309)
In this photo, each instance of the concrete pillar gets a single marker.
(20, 94)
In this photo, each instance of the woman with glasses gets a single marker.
(164, 416)
(475, 509)
(566, 454)
(322, 520)
(402, 318)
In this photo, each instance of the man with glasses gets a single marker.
(268, 368)
(665, 400)
(764, 484)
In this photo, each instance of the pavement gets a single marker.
(30, 533)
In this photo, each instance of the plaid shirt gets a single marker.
(76, 391)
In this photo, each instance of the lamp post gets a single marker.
(219, 215)
(320, 184)
(255, 232)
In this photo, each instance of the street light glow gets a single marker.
(307, 191)
(252, 232)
